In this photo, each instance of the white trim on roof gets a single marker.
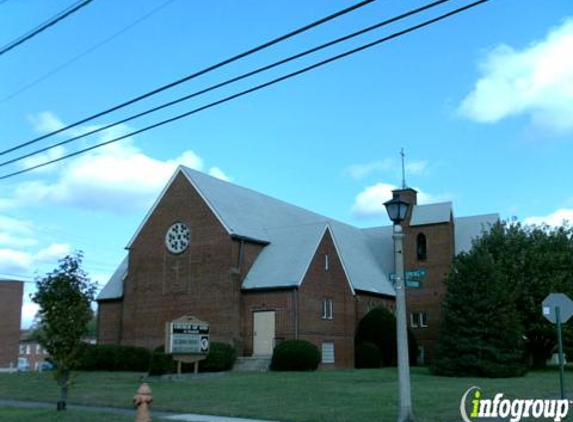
(341, 258)
(162, 194)
(312, 256)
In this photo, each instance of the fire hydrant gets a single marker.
(142, 400)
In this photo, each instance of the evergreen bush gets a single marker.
(379, 328)
(367, 356)
(111, 357)
(161, 363)
(295, 355)
(221, 357)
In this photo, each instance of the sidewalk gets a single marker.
(173, 416)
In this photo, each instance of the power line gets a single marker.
(50, 22)
(196, 74)
(227, 82)
(256, 88)
(85, 53)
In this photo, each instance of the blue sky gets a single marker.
(482, 104)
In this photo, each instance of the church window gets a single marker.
(421, 247)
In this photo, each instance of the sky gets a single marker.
(482, 104)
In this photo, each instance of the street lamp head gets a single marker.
(397, 209)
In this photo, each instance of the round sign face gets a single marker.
(177, 237)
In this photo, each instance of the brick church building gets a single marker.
(260, 270)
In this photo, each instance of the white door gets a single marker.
(263, 333)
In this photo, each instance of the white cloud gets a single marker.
(16, 232)
(359, 171)
(15, 225)
(554, 219)
(19, 262)
(416, 167)
(117, 177)
(219, 174)
(536, 80)
(370, 202)
(45, 122)
(52, 154)
(17, 241)
(29, 311)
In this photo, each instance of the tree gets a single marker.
(536, 260)
(481, 333)
(64, 297)
(531, 261)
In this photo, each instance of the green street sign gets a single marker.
(410, 282)
(413, 284)
(416, 274)
(412, 275)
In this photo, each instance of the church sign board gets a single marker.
(187, 335)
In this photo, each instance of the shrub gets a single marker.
(295, 355)
(111, 357)
(221, 357)
(367, 356)
(161, 363)
(379, 327)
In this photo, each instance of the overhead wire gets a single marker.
(229, 81)
(42, 27)
(195, 74)
(84, 53)
(256, 88)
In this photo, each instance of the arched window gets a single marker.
(421, 247)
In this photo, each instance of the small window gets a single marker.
(326, 262)
(328, 352)
(421, 247)
(22, 349)
(327, 309)
(38, 349)
(418, 320)
(28, 351)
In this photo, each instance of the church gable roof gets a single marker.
(114, 287)
(291, 235)
(469, 228)
(431, 214)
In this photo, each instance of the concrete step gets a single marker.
(252, 364)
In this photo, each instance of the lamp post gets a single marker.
(397, 209)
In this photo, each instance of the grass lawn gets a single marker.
(322, 396)
(12, 414)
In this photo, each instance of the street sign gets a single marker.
(413, 284)
(553, 301)
(412, 278)
(558, 308)
(416, 274)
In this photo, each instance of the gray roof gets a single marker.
(431, 214)
(470, 228)
(114, 287)
(292, 234)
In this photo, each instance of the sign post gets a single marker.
(187, 339)
(560, 343)
(558, 308)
